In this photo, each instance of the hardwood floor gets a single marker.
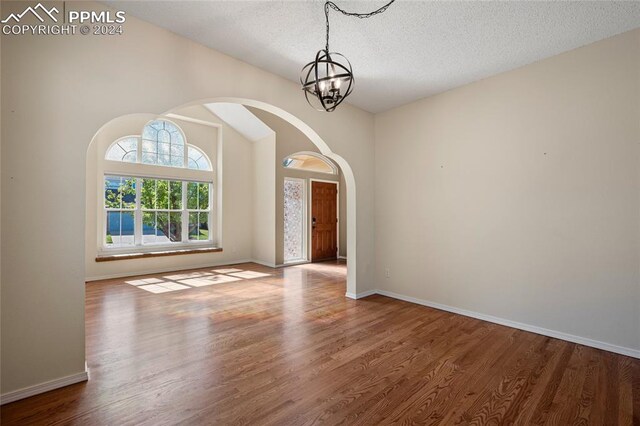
(289, 349)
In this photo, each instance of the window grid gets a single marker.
(179, 216)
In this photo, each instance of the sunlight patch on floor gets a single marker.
(214, 279)
(187, 280)
(145, 281)
(227, 270)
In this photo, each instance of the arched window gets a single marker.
(125, 149)
(163, 144)
(311, 162)
(144, 207)
(197, 160)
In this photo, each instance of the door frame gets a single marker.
(310, 215)
(306, 245)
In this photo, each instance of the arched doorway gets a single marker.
(324, 149)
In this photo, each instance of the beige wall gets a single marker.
(519, 196)
(57, 91)
(290, 140)
(237, 178)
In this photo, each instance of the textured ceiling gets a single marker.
(415, 49)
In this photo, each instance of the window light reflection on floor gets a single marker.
(176, 282)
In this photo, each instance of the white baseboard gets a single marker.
(260, 262)
(342, 257)
(301, 262)
(635, 353)
(361, 295)
(8, 397)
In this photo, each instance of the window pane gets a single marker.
(149, 133)
(120, 192)
(203, 164)
(175, 192)
(193, 226)
(124, 150)
(112, 199)
(177, 161)
(148, 227)
(164, 137)
(203, 225)
(198, 226)
(130, 157)
(129, 144)
(166, 141)
(149, 157)
(162, 194)
(149, 146)
(148, 194)
(177, 150)
(164, 148)
(120, 228)
(128, 191)
(115, 153)
(203, 196)
(175, 227)
(197, 159)
(164, 160)
(192, 195)
(162, 227)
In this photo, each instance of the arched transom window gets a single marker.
(311, 162)
(162, 143)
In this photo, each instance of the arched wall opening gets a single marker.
(305, 129)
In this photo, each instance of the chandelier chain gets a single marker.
(332, 5)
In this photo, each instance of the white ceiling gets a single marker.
(415, 49)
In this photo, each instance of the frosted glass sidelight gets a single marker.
(293, 220)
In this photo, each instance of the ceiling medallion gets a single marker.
(328, 79)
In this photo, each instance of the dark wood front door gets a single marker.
(324, 221)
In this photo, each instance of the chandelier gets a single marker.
(328, 79)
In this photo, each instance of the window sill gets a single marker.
(142, 255)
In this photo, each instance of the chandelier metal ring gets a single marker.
(328, 80)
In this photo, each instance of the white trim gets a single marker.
(260, 262)
(342, 257)
(310, 225)
(362, 295)
(8, 397)
(635, 353)
(294, 263)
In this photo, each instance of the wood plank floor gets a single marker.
(285, 347)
